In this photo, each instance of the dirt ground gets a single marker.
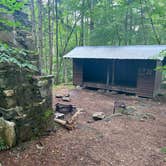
(121, 141)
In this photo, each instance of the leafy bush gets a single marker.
(15, 56)
(47, 114)
(162, 54)
(9, 7)
(3, 146)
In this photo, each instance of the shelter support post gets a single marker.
(113, 72)
(108, 75)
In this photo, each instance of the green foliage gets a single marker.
(47, 114)
(104, 22)
(162, 55)
(15, 56)
(163, 150)
(9, 23)
(9, 7)
(3, 145)
(120, 23)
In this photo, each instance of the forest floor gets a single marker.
(120, 141)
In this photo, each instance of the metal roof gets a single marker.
(117, 52)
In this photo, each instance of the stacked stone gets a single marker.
(25, 98)
(25, 104)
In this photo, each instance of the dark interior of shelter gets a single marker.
(126, 73)
(94, 71)
(121, 72)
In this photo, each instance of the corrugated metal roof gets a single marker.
(117, 52)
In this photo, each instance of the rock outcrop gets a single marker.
(17, 36)
(7, 132)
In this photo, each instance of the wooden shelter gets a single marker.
(128, 69)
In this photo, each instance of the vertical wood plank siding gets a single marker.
(158, 79)
(146, 78)
(77, 72)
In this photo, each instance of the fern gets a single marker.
(16, 56)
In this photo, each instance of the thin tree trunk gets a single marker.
(45, 53)
(131, 23)
(67, 42)
(153, 26)
(76, 38)
(126, 28)
(82, 24)
(57, 44)
(52, 33)
(50, 38)
(40, 34)
(33, 20)
(154, 30)
(142, 23)
(76, 35)
(91, 15)
(118, 35)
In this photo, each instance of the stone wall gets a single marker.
(25, 97)
(25, 104)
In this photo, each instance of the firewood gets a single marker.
(64, 123)
(73, 118)
(69, 124)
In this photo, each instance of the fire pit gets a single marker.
(64, 108)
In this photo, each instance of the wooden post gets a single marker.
(113, 72)
(108, 75)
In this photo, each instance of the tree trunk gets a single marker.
(126, 28)
(91, 15)
(82, 24)
(152, 24)
(57, 44)
(33, 20)
(142, 23)
(50, 39)
(40, 34)
(130, 26)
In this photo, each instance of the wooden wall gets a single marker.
(158, 79)
(77, 72)
(146, 78)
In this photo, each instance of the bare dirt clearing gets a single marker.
(120, 141)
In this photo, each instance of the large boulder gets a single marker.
(7, 132)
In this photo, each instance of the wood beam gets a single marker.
(108, 75)
(113, 72)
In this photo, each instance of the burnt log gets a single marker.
(64, 108)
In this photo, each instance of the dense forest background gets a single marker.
(57, 26)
